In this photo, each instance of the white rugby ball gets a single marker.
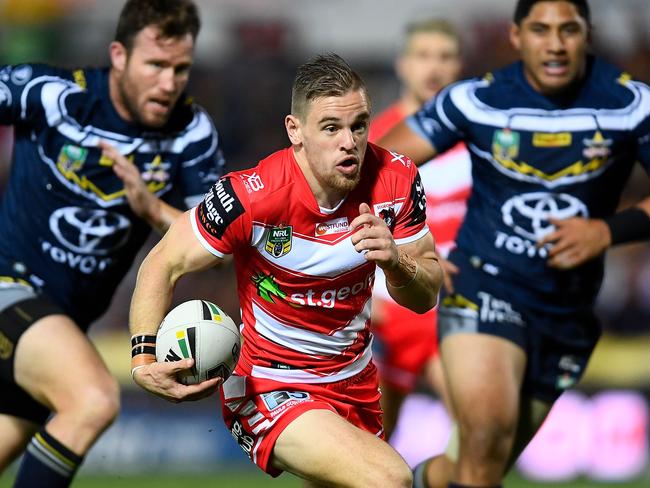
(199, 329)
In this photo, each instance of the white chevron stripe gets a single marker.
(463, 95)
(306, 341)
(301, 376)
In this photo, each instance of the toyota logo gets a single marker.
(528, 214)
(90, 231)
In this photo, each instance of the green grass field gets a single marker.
(252, 479)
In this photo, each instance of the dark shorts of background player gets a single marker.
(20, 307)
(557, 345)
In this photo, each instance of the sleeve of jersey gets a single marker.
(203, 159)
(642, 134)
(438, 121)
(410, 221)
(26, 90)
(222, 221)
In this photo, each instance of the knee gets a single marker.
(487, 439)
(391, 474)
(98, 405)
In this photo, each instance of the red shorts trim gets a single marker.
(256, 411)
(404, 341)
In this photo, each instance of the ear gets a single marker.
(515, 40)
(119, 55)
(292, 124)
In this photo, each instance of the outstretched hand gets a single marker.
(161, 380)
(575, 241)
(372, 237)
(141, 201)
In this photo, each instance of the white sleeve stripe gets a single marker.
(413, 238)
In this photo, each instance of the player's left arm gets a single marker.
(577, 240)
(413, 273)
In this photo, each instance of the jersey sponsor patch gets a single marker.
(419, 200)
(252, 182)
(334, 226)
(220, 208)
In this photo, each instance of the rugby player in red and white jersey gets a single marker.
(305, 231)
(405, 343)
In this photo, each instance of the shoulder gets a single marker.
(389, 165)
(611, 88)
(270, 176)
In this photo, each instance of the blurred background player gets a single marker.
(553, 139)
(405, 343)
(306, 232)
(95, 152)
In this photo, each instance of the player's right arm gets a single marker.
(26, 89)
(403, 140)
(175, 255)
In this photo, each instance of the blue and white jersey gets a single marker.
(536, 158)
(65, 222)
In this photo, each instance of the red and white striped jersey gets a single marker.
(447, 182)
(303, 289)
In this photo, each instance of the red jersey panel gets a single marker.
(303, 289)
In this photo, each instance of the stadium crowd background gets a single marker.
(246, 56)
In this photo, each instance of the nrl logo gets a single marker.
(505, 144)
(71, 158)
(278, 241)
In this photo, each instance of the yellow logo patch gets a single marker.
(552, 139)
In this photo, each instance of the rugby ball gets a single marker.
(199, 329)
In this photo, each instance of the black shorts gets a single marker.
(20, 307)
(557, 344)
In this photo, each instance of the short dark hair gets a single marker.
(174, 18)
(325, 75)
(524, 6)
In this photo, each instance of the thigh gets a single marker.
(322, 447)
(484, 335)
(56, 363)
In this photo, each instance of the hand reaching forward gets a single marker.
(373, 237)
(575, 241)
(161, 380)
(140, 200)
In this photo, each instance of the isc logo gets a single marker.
(243, 438)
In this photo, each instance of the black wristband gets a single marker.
(137, 350)
(139, 339)
(631, 224)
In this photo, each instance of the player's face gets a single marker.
(152, 76)
(430, 62)
(332, 138)
(552, 41)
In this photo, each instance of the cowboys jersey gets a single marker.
(66, 225)
(537, 158)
